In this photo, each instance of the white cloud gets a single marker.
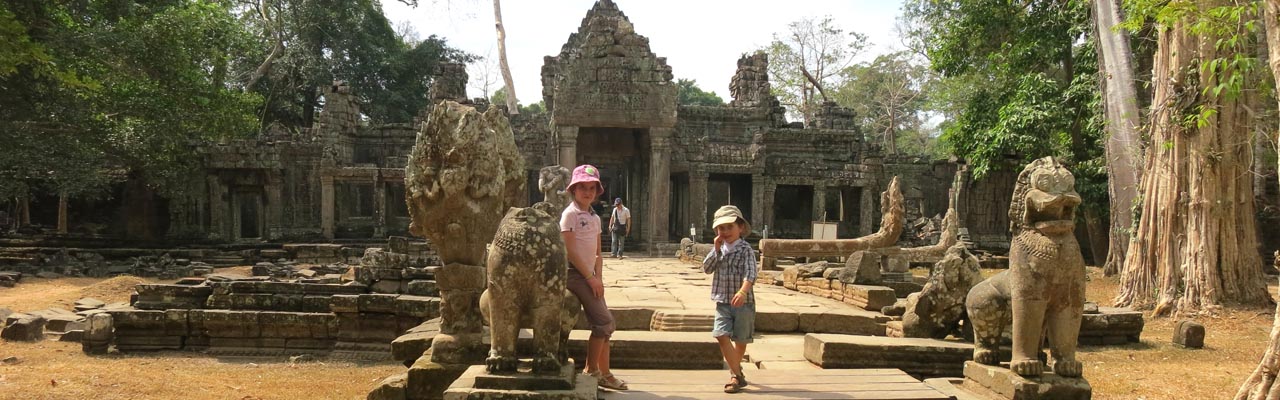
(701, 39)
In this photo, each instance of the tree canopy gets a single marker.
(688, 93)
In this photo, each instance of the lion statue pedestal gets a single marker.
(1040, 297)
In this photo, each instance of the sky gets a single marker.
(701, 39)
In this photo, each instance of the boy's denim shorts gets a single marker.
(739, 323)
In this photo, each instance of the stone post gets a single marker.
(698, 201)
(379, 209)
(761, 202)
(867, 221)
(567, 144)
(275, 206)
(62, 212)
(217, 208)
(819, 201)
(24, 211)
(659, 185)
(326, 206)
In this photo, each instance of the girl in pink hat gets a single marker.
(580, 227)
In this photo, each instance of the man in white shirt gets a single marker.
(619, 226)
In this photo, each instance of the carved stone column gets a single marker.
(819, 201)
(217, 208)
(567, 144)
(868, 204)
(761, 202)
(379, 209)
(659, 185)
(326, 206)
(275, 206)
(697, 207)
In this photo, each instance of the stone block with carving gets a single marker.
(936, 311)
(527, 270)
(1043, 290)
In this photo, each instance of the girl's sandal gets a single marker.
(612, 382)
(734, 386)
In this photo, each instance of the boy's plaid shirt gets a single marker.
(731, 268)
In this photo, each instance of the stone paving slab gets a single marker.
(675, 294)
(882, 384)
(921, 357)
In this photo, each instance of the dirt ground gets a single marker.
(1152, 369)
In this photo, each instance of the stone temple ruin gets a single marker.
(464, 176)
(611, 102)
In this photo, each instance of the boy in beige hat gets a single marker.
(734, 267)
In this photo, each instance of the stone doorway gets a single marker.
(249, 215)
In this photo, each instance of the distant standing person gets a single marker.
(734, 267)
(619, 226)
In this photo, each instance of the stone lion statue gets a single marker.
(1043, 290)
(526, 273)
(552, 182)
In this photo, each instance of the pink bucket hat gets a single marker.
(585, 173)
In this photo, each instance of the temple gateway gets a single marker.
(611, 102)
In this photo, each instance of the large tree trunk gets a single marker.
(1122, 146)
(1196, 245)
(1261, 383)
(513, 107)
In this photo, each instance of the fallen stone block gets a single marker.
(682, 320)
(21, 327)
(1189, 334)
(417, 306)
(871, 298)
(1111, 326)
(422, 288)
(391, 388)
(87, 303)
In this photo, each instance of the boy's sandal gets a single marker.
(742, 379)
(734, 386)
(612, 382)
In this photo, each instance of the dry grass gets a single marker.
(1157, 369)
(56, 370)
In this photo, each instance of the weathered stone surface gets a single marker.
(391, 388)
(772, 319)
(656, 350)
(88, 303)
(871, 298)
(1189, 334)
(862, 268)
(1011, 386)
(422, 288)
(916, 356)
(415, 342)
(162, 297)
(428, 380)
(936, 311)
(98, 334)
(1045, 280)
(344, 303)
(1111, 326)
(851, 322)
(23, 328)
(477, 384)
(377, 303)
(682, 320)
(230, 324)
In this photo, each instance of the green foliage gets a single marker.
(688, 93)
(328, 40)
(889, 97)
(97, 91)
(1019, 83)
